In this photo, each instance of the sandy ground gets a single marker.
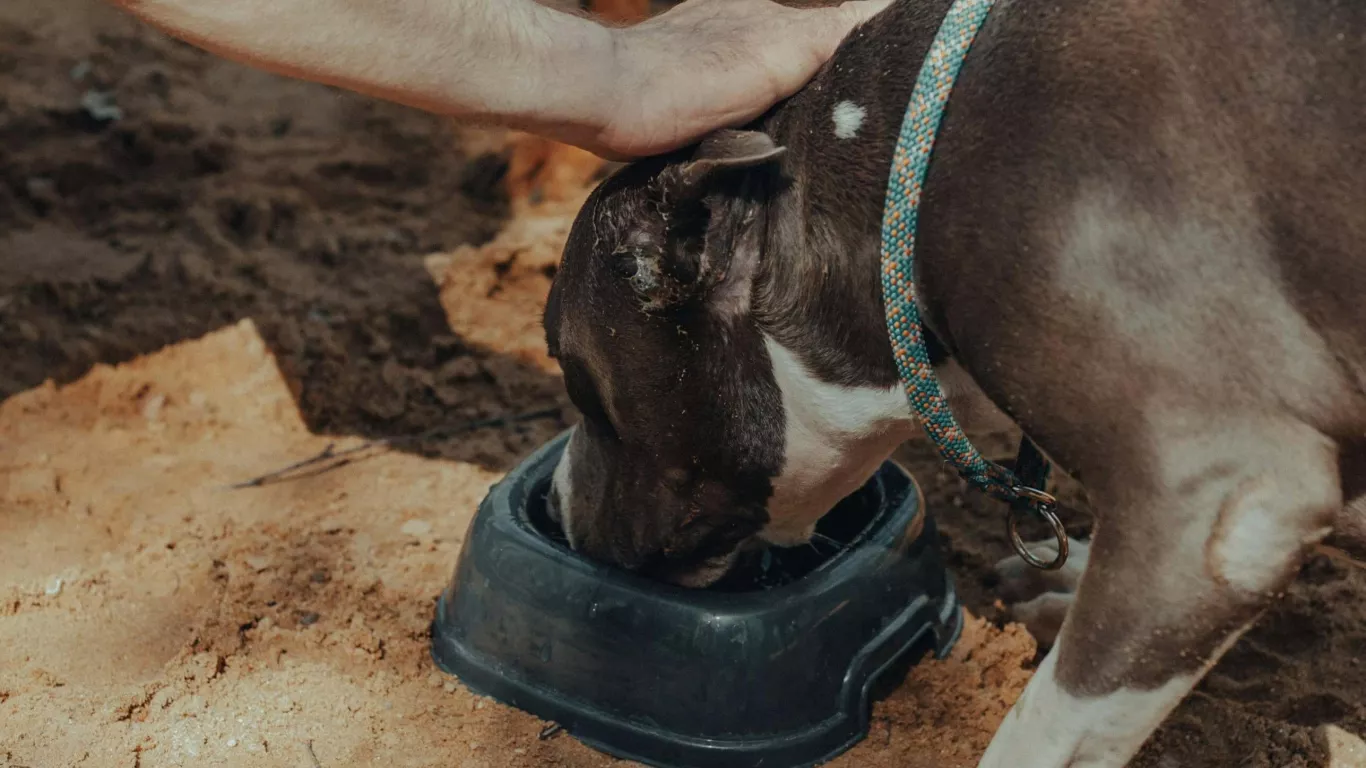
(202, 624)
(155, 616)
(237, 271)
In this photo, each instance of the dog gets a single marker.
(1140, 241)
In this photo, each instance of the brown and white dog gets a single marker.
(1143, 239)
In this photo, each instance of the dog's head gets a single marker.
(700, 432)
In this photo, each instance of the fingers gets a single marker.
(708, 64)
(819, 31)
(832, 24)
(856, 12)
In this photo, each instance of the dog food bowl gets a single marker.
(775, 666)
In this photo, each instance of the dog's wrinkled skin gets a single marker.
(1140, 238)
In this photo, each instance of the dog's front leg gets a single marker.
(1186, 556)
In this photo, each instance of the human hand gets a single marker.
(709, 64)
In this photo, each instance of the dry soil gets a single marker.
(207, 273)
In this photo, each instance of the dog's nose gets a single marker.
(696, 575)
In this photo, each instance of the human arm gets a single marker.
(619, 92)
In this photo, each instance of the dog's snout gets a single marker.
(691, 575)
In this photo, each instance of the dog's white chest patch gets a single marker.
(836, 436)
(848, 118)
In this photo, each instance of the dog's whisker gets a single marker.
(826, 540)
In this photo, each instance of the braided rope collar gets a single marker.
(909, 165)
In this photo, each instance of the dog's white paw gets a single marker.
(1040, 599)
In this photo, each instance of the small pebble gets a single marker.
(458, 369)
(232, 742)
(450, 687)
(152, 409)
(308, 618)
(101, 106)
(53, 589)
(416, 528)
(42, 189)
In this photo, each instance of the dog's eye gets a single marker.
(625, 265)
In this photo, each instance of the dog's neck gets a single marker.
(819, 290)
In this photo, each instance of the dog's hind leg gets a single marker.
(1195, 540)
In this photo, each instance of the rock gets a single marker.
(1345, 750)
(204, 667)
(459, 369)
(151, 410)
(101, 106)
(449, 395)
(43, 190)
(257, 563)
(416, 528)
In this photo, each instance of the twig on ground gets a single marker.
(549, 730)
(312, 756)
(330, 458)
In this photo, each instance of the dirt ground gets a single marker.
(207, 273)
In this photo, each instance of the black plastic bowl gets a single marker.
(774, 667)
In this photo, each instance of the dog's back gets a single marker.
(1183, 182)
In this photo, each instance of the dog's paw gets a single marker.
(1040, 599)
(1043, 616)
(1020, 582)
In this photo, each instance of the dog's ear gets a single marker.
(719, 155)
(706, 203)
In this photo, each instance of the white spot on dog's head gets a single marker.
(848, 118)
(836, 437)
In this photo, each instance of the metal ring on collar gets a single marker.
(1041, 504)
